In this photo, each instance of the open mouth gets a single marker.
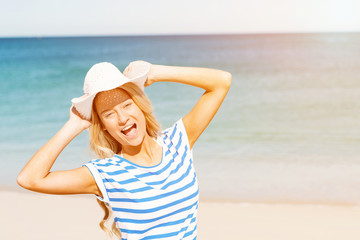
(129, 130)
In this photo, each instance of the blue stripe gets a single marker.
(165, 235)
(150, 210)
(159, 225)
(179, 179)
(170, 145)
(115, 164)
(175, 155)
(190, 232)
(130, 167)
(185, 154)
(113, 173)
(172, 171)
(107, 164)
(139, 221)
(157, 182)
(130, 180)
(155, 197)
(184, 228)
(111, 164)
(131, 191)
(167, 152)
(94, 161)
(179, 143)
(157, 172)
(173, 132)
(177, 147)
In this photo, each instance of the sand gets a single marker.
(27, 215)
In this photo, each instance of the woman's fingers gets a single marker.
(127, 69)
(130, 67)
(74, 111)
(149, 79)
(76, 118)
(148, 82)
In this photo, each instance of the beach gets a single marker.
(288, 129)
(280, 160)
(27, 215)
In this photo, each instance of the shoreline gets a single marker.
(201, 199)
(29, 215)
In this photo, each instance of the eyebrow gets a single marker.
(104, 111)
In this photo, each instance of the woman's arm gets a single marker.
(216, 84)
(36, 175)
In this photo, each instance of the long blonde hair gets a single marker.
(104, 145)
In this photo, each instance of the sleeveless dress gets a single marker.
(157, 202)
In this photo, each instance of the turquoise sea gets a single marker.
(288, 131)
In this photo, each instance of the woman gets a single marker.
(145, 178)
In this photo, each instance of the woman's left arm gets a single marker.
(216, 84)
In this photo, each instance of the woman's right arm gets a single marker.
(36, 175)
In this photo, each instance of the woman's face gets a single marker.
(121, 117)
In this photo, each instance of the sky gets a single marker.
(152, 17)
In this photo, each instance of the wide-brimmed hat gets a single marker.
(105, 76)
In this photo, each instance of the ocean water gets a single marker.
(288, 131)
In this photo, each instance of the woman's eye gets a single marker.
(108, 114)
(128, 104)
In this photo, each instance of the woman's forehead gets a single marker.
(109, 99)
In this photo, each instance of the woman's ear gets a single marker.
(102, 126)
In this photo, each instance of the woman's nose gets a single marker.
(122, 117)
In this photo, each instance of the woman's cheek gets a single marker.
(109, 125)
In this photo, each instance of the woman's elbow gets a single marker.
(226, 79)
(24, 182)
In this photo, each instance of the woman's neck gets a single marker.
(147, 153)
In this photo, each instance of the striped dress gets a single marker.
(157, 202)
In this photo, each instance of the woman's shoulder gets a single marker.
(176, 133)
(174, 127)
(102, 161)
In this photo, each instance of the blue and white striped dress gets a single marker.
(157, 202)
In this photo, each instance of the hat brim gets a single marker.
(138, 76)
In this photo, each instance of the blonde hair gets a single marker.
(104, 145)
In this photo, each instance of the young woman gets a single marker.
(144, 177)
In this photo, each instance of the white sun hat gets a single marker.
(105, 76)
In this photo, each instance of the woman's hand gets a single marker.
(76, 119)
(128, 70)
(150, 79)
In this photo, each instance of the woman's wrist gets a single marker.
(74, 126)
(156, 73)
(206, 78)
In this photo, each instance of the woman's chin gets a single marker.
(133, 141)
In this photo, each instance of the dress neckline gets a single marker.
(162, 156)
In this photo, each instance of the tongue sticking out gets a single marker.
(129, 131)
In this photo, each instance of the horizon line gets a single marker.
(176, 34)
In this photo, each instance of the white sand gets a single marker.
(35, 216)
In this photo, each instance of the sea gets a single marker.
(287, 132)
